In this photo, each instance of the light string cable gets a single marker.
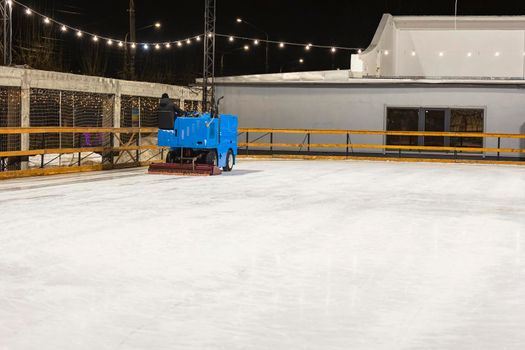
(95, 37)
(283, 44)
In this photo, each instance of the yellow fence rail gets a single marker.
(133, 148)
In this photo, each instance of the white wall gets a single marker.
(411, 46)
(363, 107)
(492, 53)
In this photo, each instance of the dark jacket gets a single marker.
(168, 112)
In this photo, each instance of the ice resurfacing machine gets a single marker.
(199, 145)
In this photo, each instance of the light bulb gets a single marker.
(281, 45)
(120, 44)
(301, 60)
(231, 38)
(256, 42)
(246, 47)
(386, 52)
(157, 46)
(210, 35)
(359, 51)
(188, 41)
(469, 54)
(46, 20)
(79, 34)
(413, 53)
(133, 46)
(333, 49)
(179, 44)
(441, 54)
(146, 47)
(168, 45)
(63, 28)
(28, 12)
(157, 25)
(110, 42)
(95, 38)
(239, 20)
(497, 54)
(198, 38)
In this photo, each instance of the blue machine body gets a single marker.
(203, 133)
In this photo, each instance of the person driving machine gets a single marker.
(168, 113)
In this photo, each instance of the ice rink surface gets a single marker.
(276, 255)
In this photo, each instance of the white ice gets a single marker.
(276, 255)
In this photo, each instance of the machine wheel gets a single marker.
(211, 158)
(170, 158)
(229, 161)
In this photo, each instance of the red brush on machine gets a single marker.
(184, 169)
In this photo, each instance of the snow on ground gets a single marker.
(276, 255)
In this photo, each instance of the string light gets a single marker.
(469, 54)
(441, 54)
(301, 60)
(157, 46)
(110, 41)
(246, 48)
(413, 53)
(497, 54)
(79, 33)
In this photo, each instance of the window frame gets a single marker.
(421, 123)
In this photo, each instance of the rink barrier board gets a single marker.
(127, 147)
(381, 159)
(67, 170)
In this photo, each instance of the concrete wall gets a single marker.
(362, 107)
(27, 79)
(488, 46)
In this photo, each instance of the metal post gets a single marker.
(132, 37)
(138, 135)
(42, 146)
(247, 141)
(499, 145)
(308, 137)
(271, 142)
(7, 15)
(79, 146)
(347, 144)
(208, 70)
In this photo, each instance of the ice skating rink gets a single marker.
(276, 255)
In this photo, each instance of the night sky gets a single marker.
(328, 22)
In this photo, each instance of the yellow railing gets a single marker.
(118, 146)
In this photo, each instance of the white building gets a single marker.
(462, 74)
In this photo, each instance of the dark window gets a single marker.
(435, 121)
(402, 119)
(466, 120)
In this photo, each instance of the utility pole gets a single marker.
(132, 38)
(208, 70)
(6, 9)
